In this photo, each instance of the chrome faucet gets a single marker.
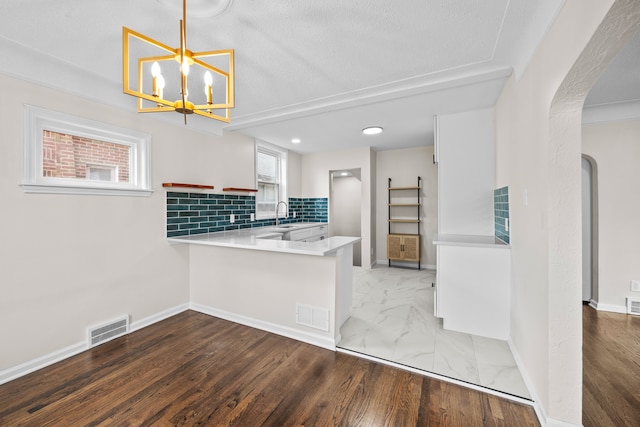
(285, 211)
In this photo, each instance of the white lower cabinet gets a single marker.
(472, 292)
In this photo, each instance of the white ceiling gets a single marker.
(621, 80)
(318, 71)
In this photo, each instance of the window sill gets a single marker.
(62, 189)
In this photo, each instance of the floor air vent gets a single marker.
(109, 331)
(633, 306)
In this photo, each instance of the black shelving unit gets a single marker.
(397, 243)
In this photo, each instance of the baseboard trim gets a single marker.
(309, 338)
(25, 368)
(540, 412)
(543, 418)
(608, 307)
(413, 265)
(155, 318)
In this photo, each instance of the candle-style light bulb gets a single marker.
(208, 81)
(185, 67)
(160, 84)
(155, 69)
(155, 72)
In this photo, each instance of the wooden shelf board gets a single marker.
(403, 188)
(405, 204)
(245, 190)
(177, 184)
(410, 221)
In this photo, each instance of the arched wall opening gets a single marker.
(538, 155)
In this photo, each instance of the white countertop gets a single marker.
(250, 239)
(469, 240)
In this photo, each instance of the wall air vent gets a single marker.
(314, 317)
(103, 333)
(633, 306)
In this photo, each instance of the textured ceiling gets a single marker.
(316, 70)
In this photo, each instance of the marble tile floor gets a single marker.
(392, 318)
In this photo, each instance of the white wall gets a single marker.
(294, 173)
(315, 178)
(404, 167)
(538, 147)
(68, 262)
(615, 147)
(466, 173)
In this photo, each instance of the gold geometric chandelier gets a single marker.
(178, 66)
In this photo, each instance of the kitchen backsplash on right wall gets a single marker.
(501, 214)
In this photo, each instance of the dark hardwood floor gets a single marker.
(611, 369)
(193, 369)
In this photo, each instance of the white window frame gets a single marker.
(282, 185)
(37, 120)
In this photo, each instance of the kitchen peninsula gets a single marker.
(297, 289)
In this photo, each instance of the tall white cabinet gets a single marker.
(473, 267)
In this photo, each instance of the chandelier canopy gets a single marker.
(158, 64)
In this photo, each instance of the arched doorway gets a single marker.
(622, 20)
(589, 230)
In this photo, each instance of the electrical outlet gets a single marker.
(232, 218)
(506, 224)
(253, 216)
(635, 285)
(294, 214)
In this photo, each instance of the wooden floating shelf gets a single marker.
(176, 184)
(403, 188)
(413, 205)
(245, 190)
(411, 221)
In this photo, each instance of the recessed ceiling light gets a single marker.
(372, 130)
(345, 174)
(295, 140)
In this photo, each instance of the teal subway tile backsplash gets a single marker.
(310, 209)
(198, 213)
(501, 214)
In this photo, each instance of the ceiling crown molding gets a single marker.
(386, 92)
(611, 112)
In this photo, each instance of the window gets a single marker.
(102, 173)
(67, 154)
(271, 167)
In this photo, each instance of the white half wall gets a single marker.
(262, 288)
